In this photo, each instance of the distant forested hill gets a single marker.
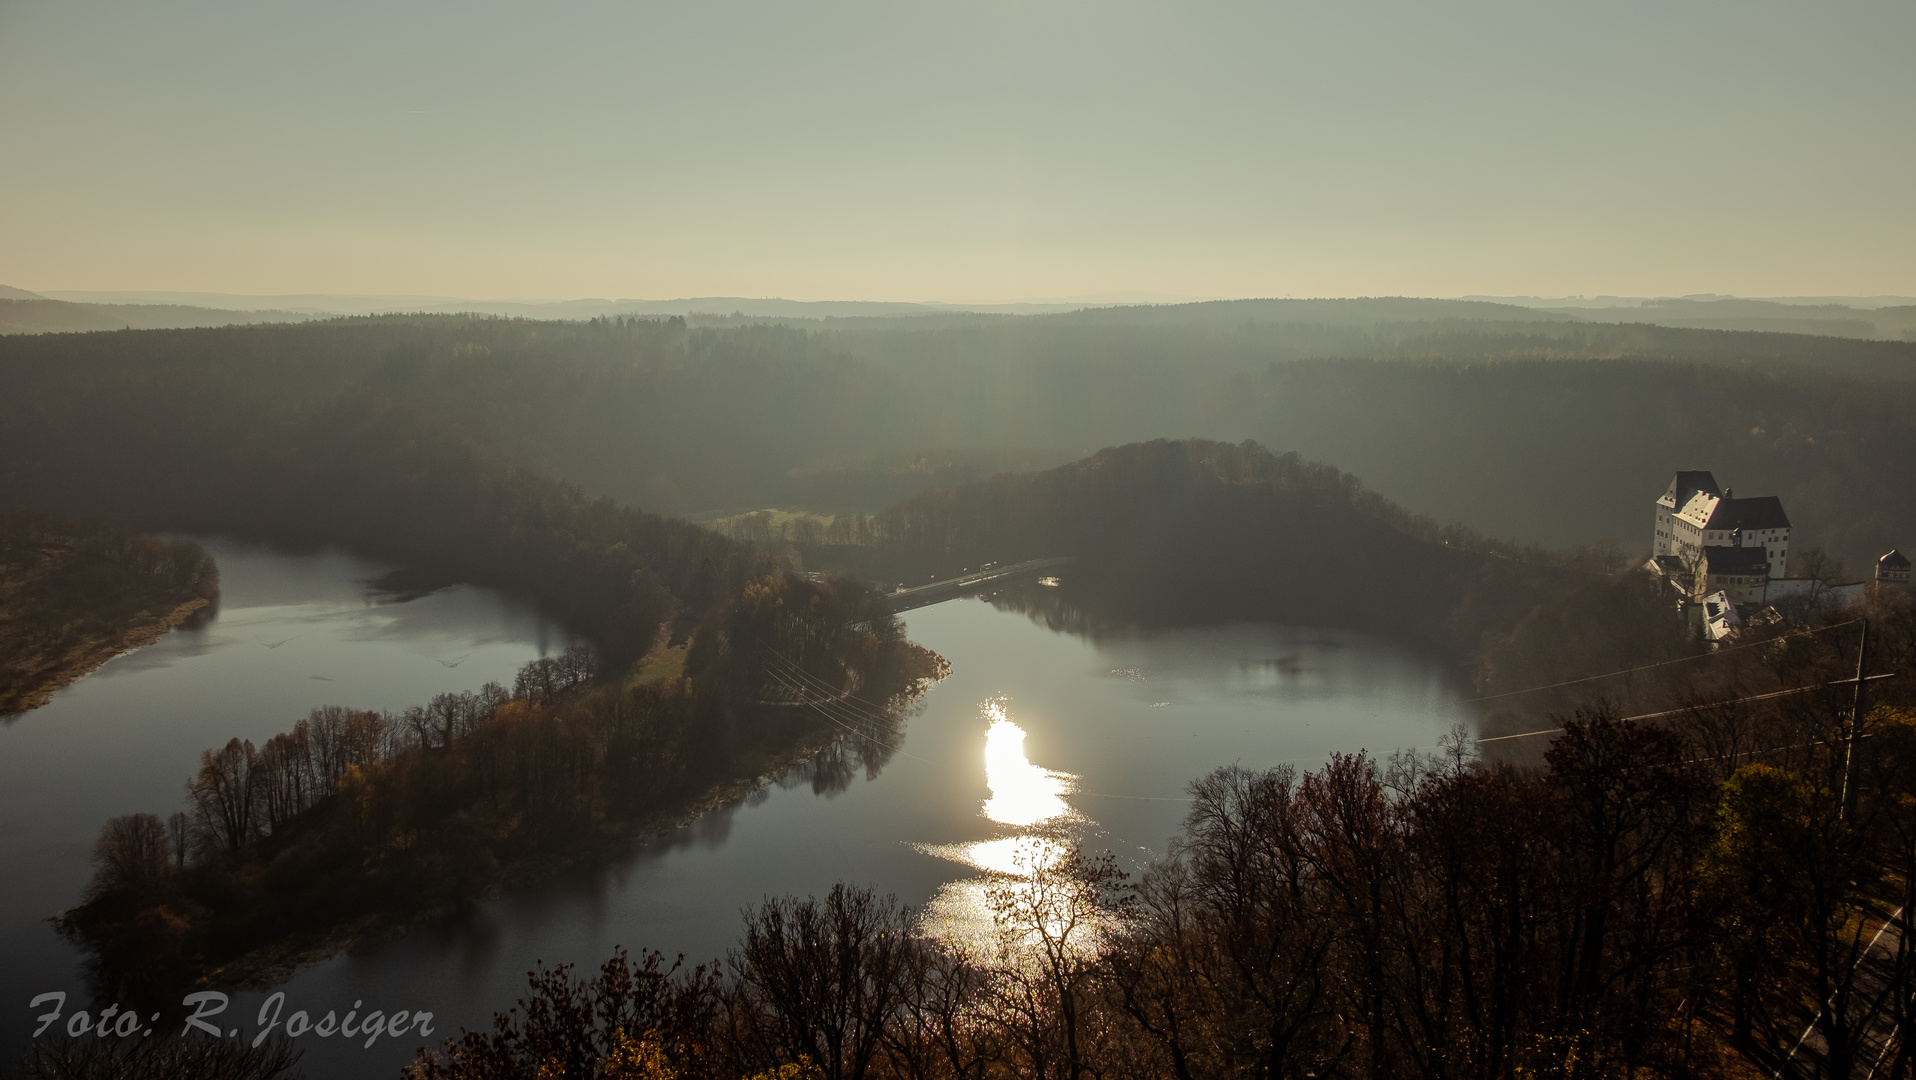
(1567, 452)
(1518, 425)
(1196, 529)
(1896, 323)
(314, 439)
(30, 314)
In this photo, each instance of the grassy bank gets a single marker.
(76, 592)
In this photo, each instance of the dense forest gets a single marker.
(286, 457)
(499, 450)
(1896, 323)
(1516, 424)
(75, 592)
(354, 821)
(1197, 531)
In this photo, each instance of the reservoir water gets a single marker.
(1039, 737)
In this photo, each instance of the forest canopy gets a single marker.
(1514, 423)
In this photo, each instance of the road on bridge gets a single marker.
(951, 588)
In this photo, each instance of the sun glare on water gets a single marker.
(1022, 794)
(1029, 801)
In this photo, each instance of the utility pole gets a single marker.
(1855, 713)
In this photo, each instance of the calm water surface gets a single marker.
(294, 631)
(1037, 738)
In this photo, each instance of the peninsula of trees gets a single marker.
(354, 822)
(282, 862)
(76, 592)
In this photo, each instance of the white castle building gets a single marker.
(1719, 552)
(1698, 521)
(1718, 549)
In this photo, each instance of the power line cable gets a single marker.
(1672, 712)
(804, 695)
(1702, 705)
(1661, 663)
(820, 686)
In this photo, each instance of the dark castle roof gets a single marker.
(1762, 512)
(1669, 565)
(1737, 560)
(1689, 483)
(1895, 560)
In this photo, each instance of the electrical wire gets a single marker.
(1661, 663)
(804, 693)
(1692, 708)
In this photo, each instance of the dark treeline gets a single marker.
(76, 591)
(1572, 451)
(383, 477)
(1200, 530)
(356, 820)
(1679, 899)
(1551, 432)
(1727, 313)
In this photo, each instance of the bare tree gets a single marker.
(1814, 562)
(824, 979)
(179, 830)
(223, 796)
(132, 855)
(1053, 923)
(281, 778)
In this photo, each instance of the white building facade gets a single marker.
(1694, 514)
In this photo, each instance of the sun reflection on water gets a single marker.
(1028, 799)
(1022, 794)
(1011, 856)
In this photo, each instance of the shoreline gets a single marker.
(94, 655)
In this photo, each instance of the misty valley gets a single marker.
(1224, 689)
(1027, 540)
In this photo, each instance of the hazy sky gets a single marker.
(962, 151)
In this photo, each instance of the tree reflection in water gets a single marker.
(869, 741)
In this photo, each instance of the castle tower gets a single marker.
(1687, 503)
(1893, 568)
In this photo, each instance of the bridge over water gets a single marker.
(964, 585)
